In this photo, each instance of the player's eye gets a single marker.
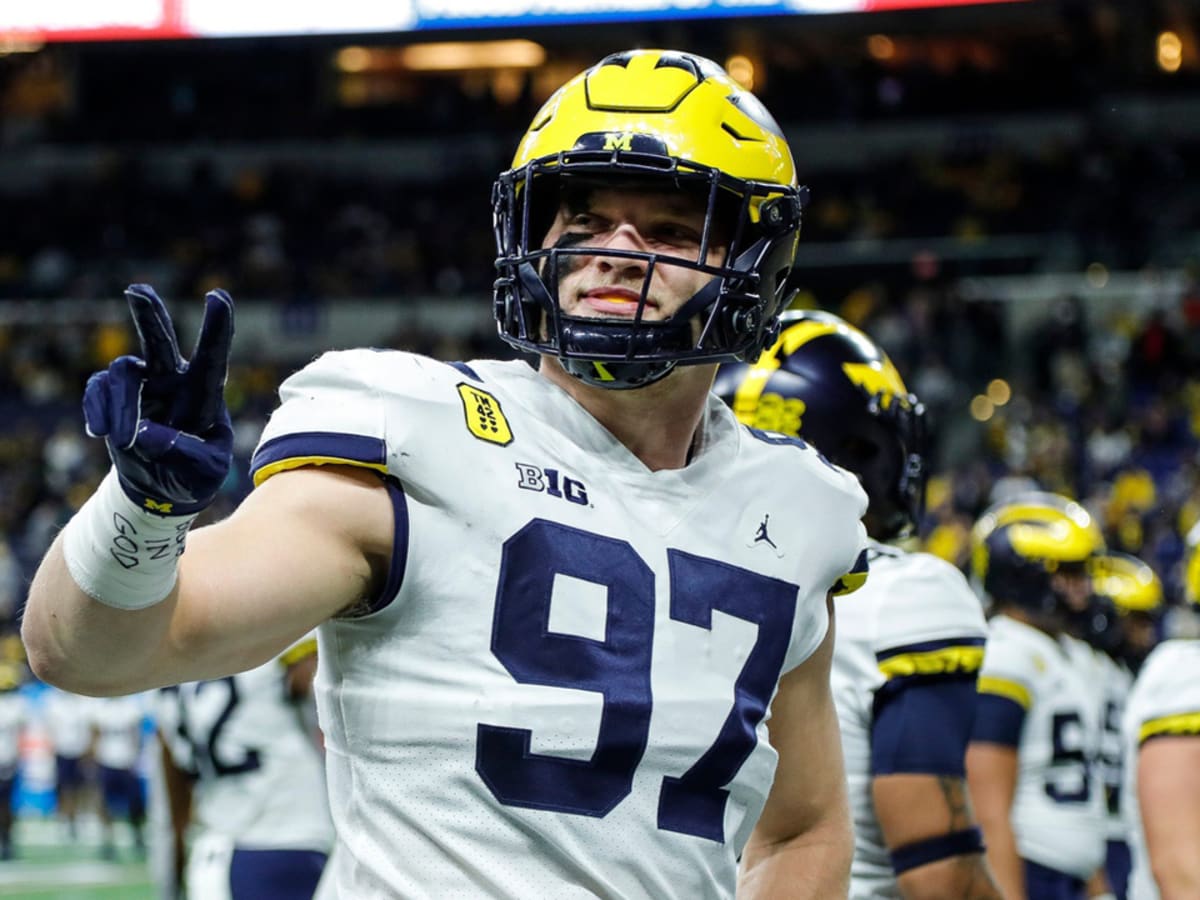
(677, 234)
(584, 221)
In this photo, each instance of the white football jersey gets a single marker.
(259, 774)
(1116, 681)
(1058, 811)
(916, 614)
(14, 715)
(118, 723)
(566, 694)
(68, 722)
(1165, 700)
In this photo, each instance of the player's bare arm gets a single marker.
(915, 810)
(1168, 781)
(803, 843)
(159, 606)
(304, 546)
(178, 788)
(992, 777)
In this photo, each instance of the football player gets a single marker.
(1032, 759)
(117, 734)
(549, 635)
(910, 642)
(1161, 733)
(69, 728)
(1121, 631)
(14, 720)
(241, 765)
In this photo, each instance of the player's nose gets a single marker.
(624, 237)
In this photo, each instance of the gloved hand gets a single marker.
(163, 417)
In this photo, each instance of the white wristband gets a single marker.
(121, 555)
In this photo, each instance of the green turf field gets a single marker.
(48, 867)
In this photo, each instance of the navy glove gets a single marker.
(163, 417)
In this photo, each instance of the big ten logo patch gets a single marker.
(484, 417)
(551, 482)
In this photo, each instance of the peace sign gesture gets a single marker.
(163, 417)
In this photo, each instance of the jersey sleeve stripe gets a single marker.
(852, 580)
(927, 646)
(998, 720)
(395, 579)
(317, 448)
(955, 659)
(466, 370)
(1168, 726)
(922, 726)
(297, 652)
(1003, 687)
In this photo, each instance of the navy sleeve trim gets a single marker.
(921, 725)
(466, 370)
(998, 720)
(317, 448)
(399, 563)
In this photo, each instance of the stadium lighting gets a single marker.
(999, 391)
(982, 409)
(1170, 51)
(458, 55)
(353, 59)
(741, 70)
(881, 47)
(15, 44)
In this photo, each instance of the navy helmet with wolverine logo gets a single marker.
(826, 382)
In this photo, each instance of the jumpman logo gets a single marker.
(762, 532)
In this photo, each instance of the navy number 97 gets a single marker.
(618, 668)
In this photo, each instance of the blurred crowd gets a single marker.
(1103, 409)
(293, 232)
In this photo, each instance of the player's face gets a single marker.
(1074, 587)
(1140, 632)
(664, 222)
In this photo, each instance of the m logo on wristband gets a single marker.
(163, 508)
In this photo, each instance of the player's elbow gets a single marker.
(965, 875)
(47, 660)
(52, 663)
(1177, 873)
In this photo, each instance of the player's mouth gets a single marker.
(615, 301)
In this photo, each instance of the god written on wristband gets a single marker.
(129, 552)
(120, 555)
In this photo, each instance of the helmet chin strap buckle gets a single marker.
(781, 214)
(745, 321)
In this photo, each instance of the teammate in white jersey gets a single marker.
(910, 642)
(555, 659)
(1120, 629)
(69, 727)
(14, 719)
(118, 732)
(1031, 764)
(243, 769)
(1161, 733)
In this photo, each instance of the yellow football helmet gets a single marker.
(1018, 545)
(652, 119)
(1128, 582)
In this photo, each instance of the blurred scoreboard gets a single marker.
(122, 20)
